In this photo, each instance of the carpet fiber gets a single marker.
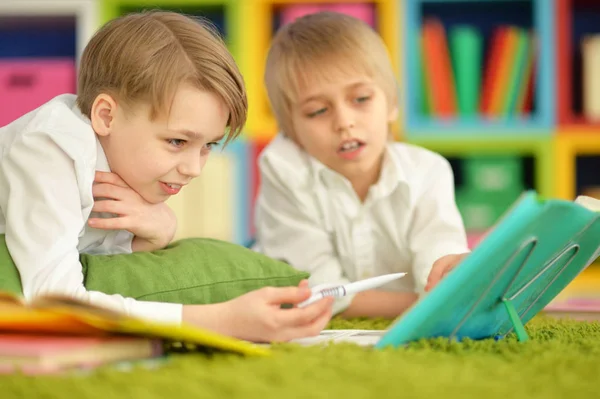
(562, 358)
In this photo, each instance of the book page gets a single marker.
(590, 203)
(8, 299)
(359, 337)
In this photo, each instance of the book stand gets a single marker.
(531, 255)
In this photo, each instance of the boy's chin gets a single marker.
(155, 196)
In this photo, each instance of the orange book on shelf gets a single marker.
(438, 70)
(492, 68)
(502, 82)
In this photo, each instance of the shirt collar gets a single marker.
(392, 174)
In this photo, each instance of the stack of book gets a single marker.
(54, 334)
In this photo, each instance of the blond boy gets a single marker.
(338, 197)
(156, 92)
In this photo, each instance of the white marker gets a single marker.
(338, 291)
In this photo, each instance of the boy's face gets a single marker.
(343, 122)
(157, 158)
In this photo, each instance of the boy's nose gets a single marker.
(192, 167)
(344, 120)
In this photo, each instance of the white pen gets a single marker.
(338, 291)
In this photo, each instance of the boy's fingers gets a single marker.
(109, 206)
(106, 190)
(297, 317)
(111, 178)
(435, 275)
(287, 295)
(303, 284)
(118, 223)
(310, 329)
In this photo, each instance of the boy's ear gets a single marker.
(393, 114)
(103, 114)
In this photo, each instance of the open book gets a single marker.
(62, 315)
(535, 250)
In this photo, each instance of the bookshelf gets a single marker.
(575, 19)
(482, 18)
(548, 146)
(40, 45)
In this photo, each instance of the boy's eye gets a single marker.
(176, 142)
(209, 146)
(363, 99)
(317, 112)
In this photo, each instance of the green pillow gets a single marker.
(189, 271)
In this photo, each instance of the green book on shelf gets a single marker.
(518, 70)
(425, 105)
(466, 48)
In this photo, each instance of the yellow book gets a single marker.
(55, 314)
(590, 49)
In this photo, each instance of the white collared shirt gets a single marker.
(48, 159)
(310, 217)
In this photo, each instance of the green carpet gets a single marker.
(562, 358)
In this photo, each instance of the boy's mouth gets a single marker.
(350, 146)
(171, 188)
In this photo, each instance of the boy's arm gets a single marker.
(289, 228)
(153, 226)
(437, 227)
(41, 203)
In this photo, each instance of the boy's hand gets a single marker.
(258, 317)
(441, 267)
(153, 225)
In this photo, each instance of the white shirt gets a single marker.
(310, 217)
(48, 159)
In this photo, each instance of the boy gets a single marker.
(156, 92)
(338, 198)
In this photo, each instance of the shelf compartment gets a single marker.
(484, 17)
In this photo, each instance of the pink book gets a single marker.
(44, 354)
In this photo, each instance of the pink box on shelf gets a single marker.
(290, 12)
(363, 11)
(25, 84)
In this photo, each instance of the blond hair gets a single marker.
(144, 57)
(322, 45)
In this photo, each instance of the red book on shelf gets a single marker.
(525, 105)
(492, 68)
(502, 82)
(438, 70)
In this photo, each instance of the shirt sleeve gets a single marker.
(289, 228)
(437, 229)
(42, 207)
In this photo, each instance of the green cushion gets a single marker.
(189, 271)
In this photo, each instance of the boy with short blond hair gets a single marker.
(338, 198)
(91, 173)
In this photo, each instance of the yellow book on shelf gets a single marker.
(590, 50)
(54, 314)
